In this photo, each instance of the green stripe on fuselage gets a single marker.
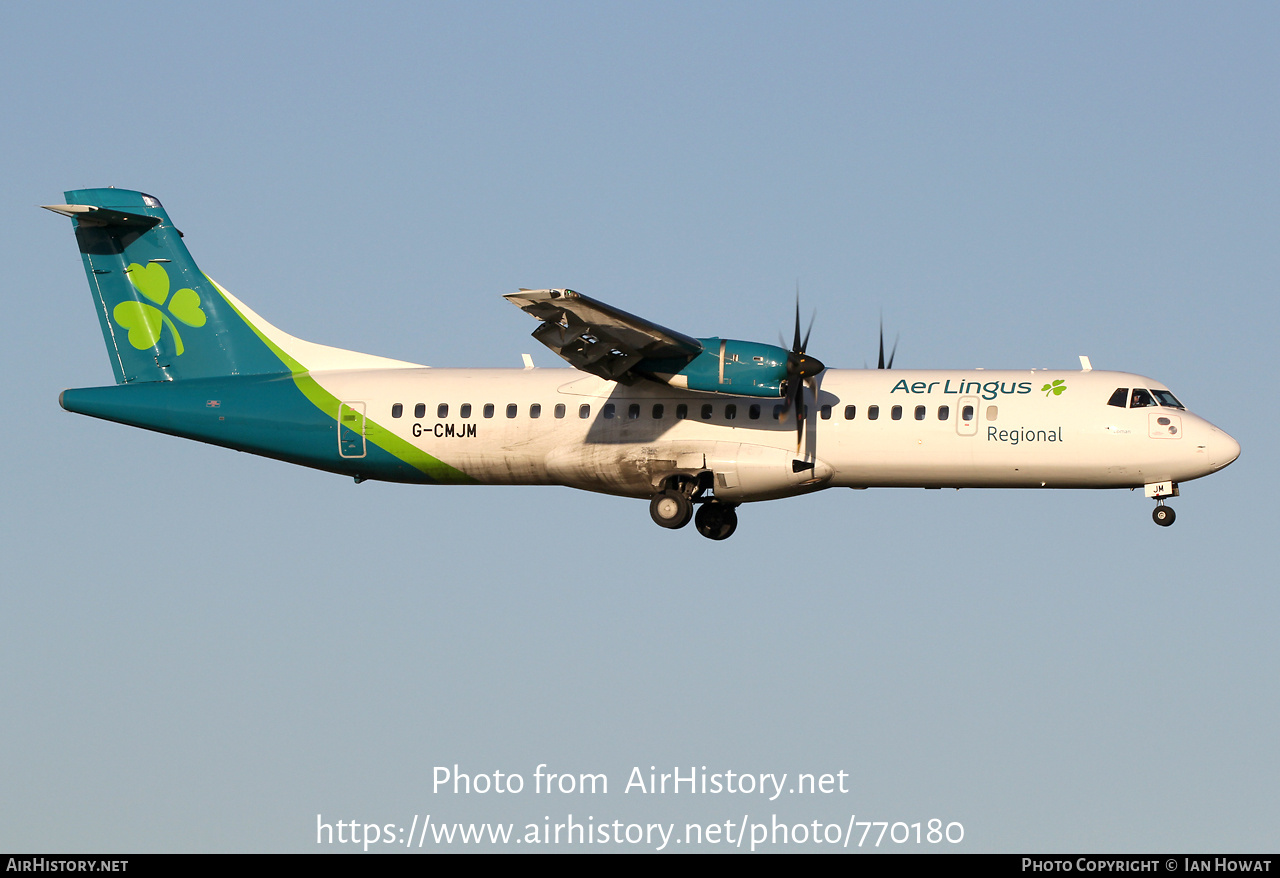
(436, 471)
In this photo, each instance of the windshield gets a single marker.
(1165, 398)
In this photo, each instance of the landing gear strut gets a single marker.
(716, 520)
(1162, 515)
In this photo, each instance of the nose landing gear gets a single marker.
(1158, 491)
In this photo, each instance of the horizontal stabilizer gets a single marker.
(88, 215)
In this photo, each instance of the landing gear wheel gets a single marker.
(671, 509)
(716, 521)
(1163, 516)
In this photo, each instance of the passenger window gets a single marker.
(730, 412)
(420, 410)
(992, 412)
(397, 410)
(873, 412)
(944, 412)
(1118, 398)
(896, 413)
(465, 411)
(442, 410)
(559, 410)
(609, 410)
(512, 410)
(584, 411)
(1140, 399)
(535, 410)
(633, 411)
(919, 413)
(825, 411)
(850, 411)
(657, 411)
(966, 413)
(682, 412)
(706, 411)
(777, 412)
(488, 410)
(754, 412)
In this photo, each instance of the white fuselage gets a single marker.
(954, 428)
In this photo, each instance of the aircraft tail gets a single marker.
(161, 317)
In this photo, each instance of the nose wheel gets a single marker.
(1163, 515)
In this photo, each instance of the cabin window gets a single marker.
(397, 410)
(966, 413)
(442, 410)
(559, 410)
(706, 411)
(657, 411)
(1165, 398)
(944, 412)
(512, 410)
(754, 412)
(465, 411)
(633, 411)
(1118, 398)
(777, 412)
(730, 412)
(488, 410)
(873, 412)
(535, 410)
(919, 413)
(584, 411)
(850, 411)
(682, 412)
(896, 413)
(609, 410)
(992, 412)
(825, 412)
(1140, 399)
(420, 410)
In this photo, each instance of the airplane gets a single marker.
(697, 426)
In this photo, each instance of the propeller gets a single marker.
(802, 369)
(891, 353)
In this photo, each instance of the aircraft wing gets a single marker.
(600, 339)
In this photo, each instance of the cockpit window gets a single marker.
(1167, 399)
(1140, 399)
(1118, 398)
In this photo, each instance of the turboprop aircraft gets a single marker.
(647, 412)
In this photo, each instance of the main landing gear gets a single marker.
(1162, 515)
(673, 508)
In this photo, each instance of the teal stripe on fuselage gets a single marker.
(261, 414)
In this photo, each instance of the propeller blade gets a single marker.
(893, 352)
(880, 364)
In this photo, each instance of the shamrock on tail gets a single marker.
(146, 322)
(1055, 388)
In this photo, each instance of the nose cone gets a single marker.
(1221, 448)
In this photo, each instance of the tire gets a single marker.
(716, 521)
(1163, 516)
(670, 509)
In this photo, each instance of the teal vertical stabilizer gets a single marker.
(162, 319)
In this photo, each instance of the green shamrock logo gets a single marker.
(1055, 388)
(146, 322)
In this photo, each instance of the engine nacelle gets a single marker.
(740, 368)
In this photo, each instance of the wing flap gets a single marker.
(600, 339)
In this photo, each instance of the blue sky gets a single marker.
(204, 650)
